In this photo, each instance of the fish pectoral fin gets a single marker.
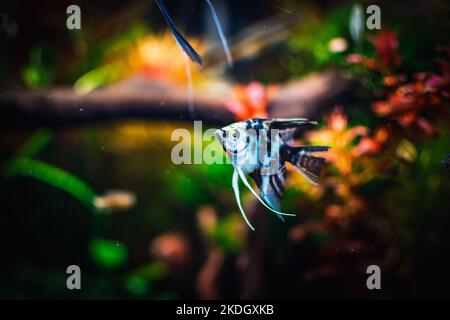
(235, 185)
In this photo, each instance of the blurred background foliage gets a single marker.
(108, 198)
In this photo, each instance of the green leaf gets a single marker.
(139, 282)
(109, 254)
(136, 286)
(53, 176)
(35, 144)
(99, 77)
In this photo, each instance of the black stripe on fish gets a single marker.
(256, 124)
(277, 181)
(256, 176)
(271, 187)
(269, 143)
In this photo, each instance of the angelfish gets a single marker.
(260, 148)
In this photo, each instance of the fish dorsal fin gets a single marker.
(289, 129)
(288, 135)
(268, 205)
(287, 123)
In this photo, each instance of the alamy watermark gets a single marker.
(73, 21)
(243, 147)
(74, 279)
(374, 280)
(374, 20)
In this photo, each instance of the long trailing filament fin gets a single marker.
(235, 185)
(221, 34)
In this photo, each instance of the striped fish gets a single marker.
(260, 148)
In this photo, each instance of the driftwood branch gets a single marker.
(60, 107)
(311, 96)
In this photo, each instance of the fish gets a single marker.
(182, 42)
(260, 149)
(221, 34)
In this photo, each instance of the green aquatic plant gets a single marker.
(41, 68)
(309, 43)
(34, 144)
(53, 176)
(109, 254)
(139, 282)
(22, 164)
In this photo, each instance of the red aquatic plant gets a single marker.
(369, 63)
(250, 101)
(414, 104)
(352, 148)
(386, 45)
(411, 104)
(340, 137)
(371, 144)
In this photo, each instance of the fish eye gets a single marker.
(236, 140)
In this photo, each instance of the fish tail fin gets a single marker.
(306, 163)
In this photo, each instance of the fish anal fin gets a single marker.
(271, 187)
